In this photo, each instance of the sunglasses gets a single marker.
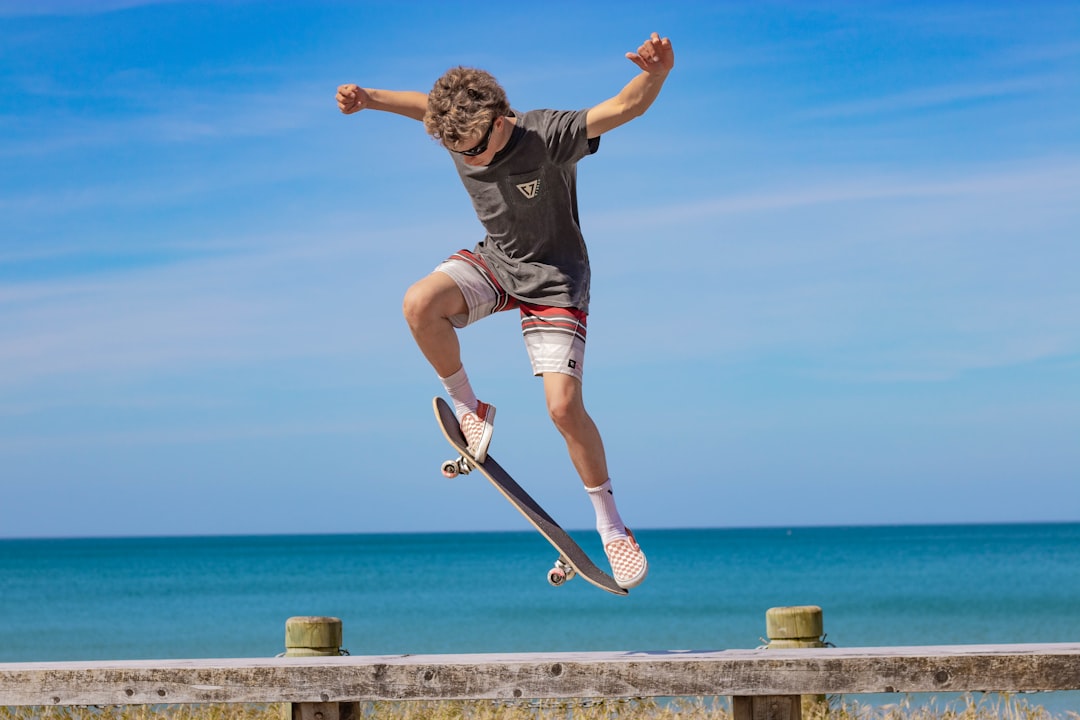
(481, 148)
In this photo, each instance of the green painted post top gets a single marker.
(794, 627)
(312, 636)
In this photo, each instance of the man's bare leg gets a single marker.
(567, 410)
(428, 306)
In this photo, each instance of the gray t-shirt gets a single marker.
(526, 200)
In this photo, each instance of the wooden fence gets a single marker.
(763, 683)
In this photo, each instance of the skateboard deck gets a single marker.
(572, 559)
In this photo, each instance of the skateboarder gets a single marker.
(519, 168)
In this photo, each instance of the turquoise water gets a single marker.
(439, 593)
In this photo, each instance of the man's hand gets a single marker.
(655, 55)
(351, 98)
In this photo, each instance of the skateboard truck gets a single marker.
(562, 572)
(452, 468)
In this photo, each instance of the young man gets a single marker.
(520, 171)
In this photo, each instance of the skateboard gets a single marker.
(572, 560)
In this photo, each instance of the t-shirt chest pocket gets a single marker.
(525, 191)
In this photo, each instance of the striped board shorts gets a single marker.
(554, 336)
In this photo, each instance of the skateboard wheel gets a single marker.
(562, 572)
(450, 469)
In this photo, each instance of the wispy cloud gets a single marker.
(936, 97)
(813, 291)
(1052, 177)
(272, 299)
(187, 117)
(20, 8)
(876, 278)
(1040, 54)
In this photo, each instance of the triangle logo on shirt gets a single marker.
(530, 189)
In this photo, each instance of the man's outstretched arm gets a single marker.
(352, 98)
(656, 58)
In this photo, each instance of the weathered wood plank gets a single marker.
(546, 675)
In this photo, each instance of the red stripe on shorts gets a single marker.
(542, 317)
(505, 300)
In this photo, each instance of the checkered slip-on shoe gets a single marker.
(628, 564)
(477, 428)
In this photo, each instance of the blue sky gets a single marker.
(836, 266)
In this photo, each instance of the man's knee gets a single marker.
(416, 303)
(435, 297)
(565, 405)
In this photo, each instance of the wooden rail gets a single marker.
(767, 674)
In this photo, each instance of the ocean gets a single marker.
(199, 597)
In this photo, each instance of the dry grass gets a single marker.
(971, 707)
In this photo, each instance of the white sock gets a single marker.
(461, 392)
(608, 523)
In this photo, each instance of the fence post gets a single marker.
(766, 707)
(787, 627)
(313, 637)
(797, 627)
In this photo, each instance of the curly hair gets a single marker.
(463, 104)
